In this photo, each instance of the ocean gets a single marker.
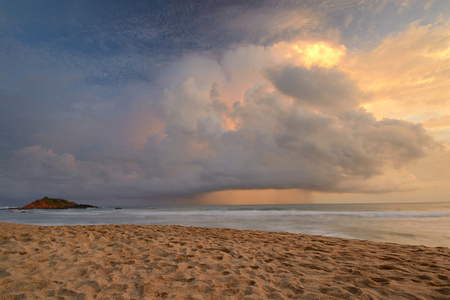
(414, 223)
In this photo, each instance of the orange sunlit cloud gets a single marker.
(409, 174)
(320, 54)
(244, 66)
(308, 54)
(441, 122)
(407, 72)
(407, 77)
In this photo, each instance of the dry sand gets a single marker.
(175, 262)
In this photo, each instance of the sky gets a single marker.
(225, 102)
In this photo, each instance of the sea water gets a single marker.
(416, 224)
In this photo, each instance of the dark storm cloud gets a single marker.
(316, 87)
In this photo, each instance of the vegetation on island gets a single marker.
(54, 203)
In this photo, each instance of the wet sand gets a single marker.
(175, 262)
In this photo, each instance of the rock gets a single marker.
(54, 203)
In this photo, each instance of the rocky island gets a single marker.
(55, 203)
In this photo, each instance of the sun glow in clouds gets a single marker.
(308, 54)
(253, 197)
(320, 54)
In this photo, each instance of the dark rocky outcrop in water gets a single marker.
(54, 203)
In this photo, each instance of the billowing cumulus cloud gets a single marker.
(281, 144)
(296, 129)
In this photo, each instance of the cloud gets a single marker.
(276, 143)
(442, 122)
(409, 69)
(39, 171)
(203, 141)
(249, 197)
(407, 76)
(317, 87)
(239, 96)
(274, 24)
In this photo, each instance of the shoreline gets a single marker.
(159, 261)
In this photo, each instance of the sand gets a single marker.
(175, 262)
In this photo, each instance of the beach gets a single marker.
(179, 262)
